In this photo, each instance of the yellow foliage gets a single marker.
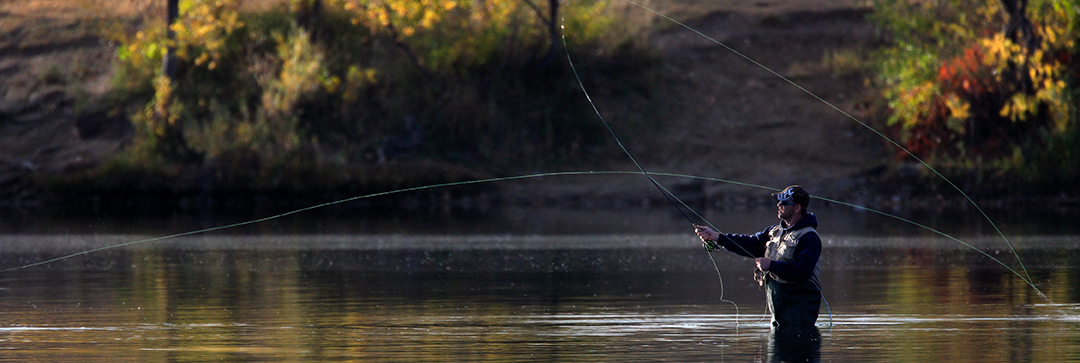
(444, 32)
(276, 72)
(959, 109)
(203, 28)
(914, 104)
(1045, 73)
(163, 97)
(999, 51)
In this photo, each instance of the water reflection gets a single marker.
(501, 298)
(794, 345)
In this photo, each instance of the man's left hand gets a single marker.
(763, 263)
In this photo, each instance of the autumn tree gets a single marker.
(323, 83)
(978, 88)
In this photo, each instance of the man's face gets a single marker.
(786, 209)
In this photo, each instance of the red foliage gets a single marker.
(983, 130)
(925, 137)
(966, 75)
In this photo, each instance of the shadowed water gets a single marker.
(525, 297)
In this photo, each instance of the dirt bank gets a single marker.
(733, 119)
(726, 116)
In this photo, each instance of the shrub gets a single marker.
(976, 101)
(331, 82)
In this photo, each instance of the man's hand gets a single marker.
(763, 263)
(706, 234)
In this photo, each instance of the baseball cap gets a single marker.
(794, 194)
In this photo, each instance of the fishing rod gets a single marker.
(1026, 277)
(502, 179)
(667, 194)
(671, 197)
(327, 204)
(674, 200)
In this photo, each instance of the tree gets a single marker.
(168, 67)
(1018, 29)
(551, 22)
(973, 86)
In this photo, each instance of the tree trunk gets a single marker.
(309, 16)
(168, 66)
(553, 27)
(553, 33)
(1018, 29)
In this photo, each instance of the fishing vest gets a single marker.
(781, 247)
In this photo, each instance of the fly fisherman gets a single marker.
(786, 255)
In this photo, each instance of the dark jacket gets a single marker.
(807, 252)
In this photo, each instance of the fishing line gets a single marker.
(340, 201)
(581, 84)
(671, 197)
(1026, 276)
(322, 205)
(668, 195)
(502, 179)
(899, 218)
(301, 210)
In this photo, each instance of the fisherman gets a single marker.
(786, 256)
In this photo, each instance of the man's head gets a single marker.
(792, 196)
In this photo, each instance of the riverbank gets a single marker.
(726, 118)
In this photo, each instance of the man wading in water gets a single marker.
(787, 259)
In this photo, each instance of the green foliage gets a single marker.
(138, 59)
(314, 86)
(970, 99)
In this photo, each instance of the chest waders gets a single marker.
(791, 303)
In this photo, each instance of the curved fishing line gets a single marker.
(899, 218)
(722, 299)
(1026, 276)
(301, 210)
(709, 223)
(581, 84)
(700, 217)
(943, 234)
(346, 200)
(671, 197)
(827, 307)
(327, 204)
(509, 178)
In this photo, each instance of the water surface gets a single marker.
(531, 297)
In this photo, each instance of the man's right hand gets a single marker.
(706, 234)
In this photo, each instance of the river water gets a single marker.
(528, 285)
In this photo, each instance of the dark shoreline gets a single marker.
(441, 198)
